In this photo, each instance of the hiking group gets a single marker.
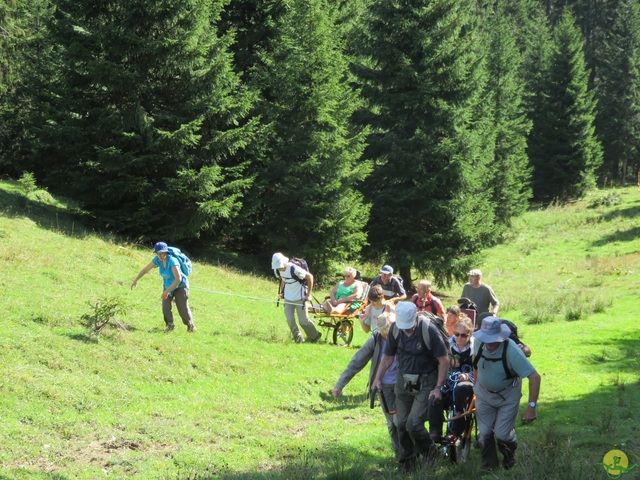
(423, 360)
(423, 365)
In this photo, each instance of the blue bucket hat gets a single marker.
(161, 247)
(492, 331)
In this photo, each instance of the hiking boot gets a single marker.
(169, 328)
(489, 453)
(317, 338)
(191, 328)
(508, 450)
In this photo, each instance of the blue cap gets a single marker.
(161, 247)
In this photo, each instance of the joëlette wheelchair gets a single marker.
(342, 324)
(459, 451)
(456, 447)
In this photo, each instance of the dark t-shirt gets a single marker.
(412, 354)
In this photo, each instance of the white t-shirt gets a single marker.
(293, 289)
(372, 313)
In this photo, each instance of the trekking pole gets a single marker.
(372, 397)
(278, 302)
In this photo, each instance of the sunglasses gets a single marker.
(463, 335)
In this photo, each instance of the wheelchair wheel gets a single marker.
(465, 441)
(343, 333)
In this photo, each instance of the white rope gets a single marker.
(243, 296)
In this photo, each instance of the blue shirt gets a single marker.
(389, 376)
(167, 273)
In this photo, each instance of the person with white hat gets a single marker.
(391, 286)
(422, 372)
(480, 293)
(296, 285)
(500, 367)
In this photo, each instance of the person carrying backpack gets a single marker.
(175, 282)
(296, 285)
(391, 284)
(499, 367)
(371, 352)
(426, 301)
(422, 368)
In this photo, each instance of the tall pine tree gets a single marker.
(25, 66)
(563, 147)
(619, 94)
(510, 126)
(145, 122)
(304, 200)
(423, 80)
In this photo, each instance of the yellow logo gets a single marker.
(616, 463)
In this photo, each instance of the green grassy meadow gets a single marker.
(239, 400)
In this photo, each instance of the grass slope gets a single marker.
(240, 400)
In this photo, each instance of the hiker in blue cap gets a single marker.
(391, 284)
(176, 286)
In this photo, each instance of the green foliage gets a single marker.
(619, 93)
(422, 80)
(304, 199)
(607, 200)
(24, 61)
(563, 148)
(510, 171)
(105, 312)
(27, 182)
(145, 121)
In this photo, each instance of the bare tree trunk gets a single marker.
(405, 273)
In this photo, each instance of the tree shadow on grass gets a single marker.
(61, 219)
(618, 355)
(626, 236)
(343, 402)
(629, 212)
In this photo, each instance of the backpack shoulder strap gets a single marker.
(395, 331)
(507, 370)
(478, 355)
(426, 336)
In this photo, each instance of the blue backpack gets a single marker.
(186, 267)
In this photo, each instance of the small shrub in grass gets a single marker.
(104, 313)
(28, 182)
(600, 305)
(538, 316)
(572, 314)
(606, 200)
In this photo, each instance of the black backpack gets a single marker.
(300, 262)
(509, 374)
(427, 318)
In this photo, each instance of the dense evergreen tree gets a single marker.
(619, 94)
(304, 200)
(423, 81)
(509, 124)
(24, 67)
(563, 148)
(146, 122)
